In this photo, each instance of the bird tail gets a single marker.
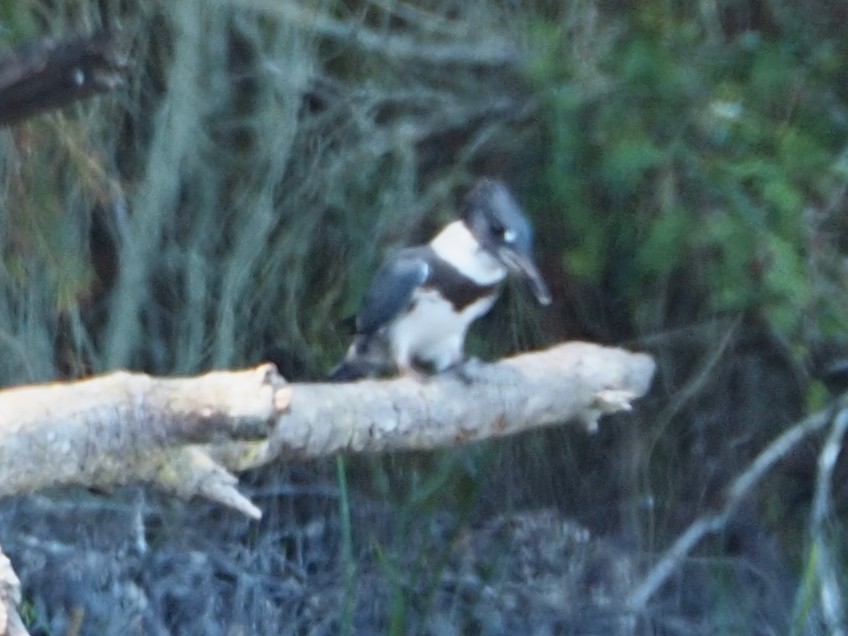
(348, 371)
(366, 358)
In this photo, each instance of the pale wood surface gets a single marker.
(188, 435)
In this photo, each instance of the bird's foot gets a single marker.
(468, 370)
(410, 371)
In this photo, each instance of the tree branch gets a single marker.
(126, 427)
(478, 48)
(187, 434)
(573, 381)
(10, 598)
(47, 74)
(830, 596)
(738, 490)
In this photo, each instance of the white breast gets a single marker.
(456, 245)
(432, 331)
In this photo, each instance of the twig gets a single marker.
(49, 75)
(10, 598)
(833, 607)
(739, 489)
(477, 49)
(702, 375)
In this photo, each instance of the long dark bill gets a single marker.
(524, 267)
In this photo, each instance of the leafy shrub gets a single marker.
(686, 157)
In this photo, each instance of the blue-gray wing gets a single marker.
(391, 290)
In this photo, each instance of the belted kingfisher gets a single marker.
(422, 300)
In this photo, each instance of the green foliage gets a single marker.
(28, 613)
(17, 23)
(698, 171)
(347, 559)
(690, 157)
(807, 591)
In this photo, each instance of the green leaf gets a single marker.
(627, 162)
(664, 248)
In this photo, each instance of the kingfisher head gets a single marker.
(499, 224)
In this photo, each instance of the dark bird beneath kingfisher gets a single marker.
(423, 299)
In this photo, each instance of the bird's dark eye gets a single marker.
(498, 230)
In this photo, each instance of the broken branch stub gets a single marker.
(44, 75)
(10, 599)
(113, 429)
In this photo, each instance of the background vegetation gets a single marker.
(685, 165)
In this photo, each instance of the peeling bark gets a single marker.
(10, 598)
(572, 381)
(48, 74)
(186, 434)
(126, 427)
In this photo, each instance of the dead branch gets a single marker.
(47, 74)
(739, 489)
(830, 595)
(186, 434)
(574, 381)
(10, 598)
(126, 427)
